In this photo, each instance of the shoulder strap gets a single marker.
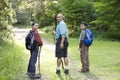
(85, 33)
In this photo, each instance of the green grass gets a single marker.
(11, 61)
(104, 61)
(104, 58)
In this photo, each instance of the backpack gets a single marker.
(88, 37)
(29, 40)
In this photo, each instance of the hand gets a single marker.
(53, 32)
(61, 46)
(80, 49)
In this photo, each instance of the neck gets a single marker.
(34, 29)
(60, 20)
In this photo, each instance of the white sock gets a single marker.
(57, 68)
(67, 67)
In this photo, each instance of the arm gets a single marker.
(62, 32)
(80, 44)
(38, 38)
(82, 36)
(62, 43)
(53, 32)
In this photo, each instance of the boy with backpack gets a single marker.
(33, 41)
(86, 38)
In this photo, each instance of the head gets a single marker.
(83, 25)
(34, 25)
(59, 17)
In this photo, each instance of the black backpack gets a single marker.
(29, 40)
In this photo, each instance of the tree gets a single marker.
(46, 16)
(75, 12)
(7, 17)
(109, 13)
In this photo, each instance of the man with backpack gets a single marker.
(86, 38)
(34, 48)
(61, 36)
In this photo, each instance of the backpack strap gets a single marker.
(85, 33)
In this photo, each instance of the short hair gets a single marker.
(60, 15)
(34, 23)
(84, 23)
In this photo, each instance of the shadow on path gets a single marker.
(65, 77)
(90, 76)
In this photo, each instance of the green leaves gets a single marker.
(108, 13)
(7, 18)
(76, 11)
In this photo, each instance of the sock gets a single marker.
(57, 68)
(66, 67)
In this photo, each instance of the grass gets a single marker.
(104, 58)
(104, 61)
(10, 61)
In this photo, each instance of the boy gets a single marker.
(84, 49)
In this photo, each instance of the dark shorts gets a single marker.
(61, 52)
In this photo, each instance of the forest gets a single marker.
(101, 15)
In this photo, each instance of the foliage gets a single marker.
(47, 16)
(76, 11)
(7, 17)
(97, 13)
(108, 14)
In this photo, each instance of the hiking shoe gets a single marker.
(66, 71)
(85, 70)
(58, 72)
(28, 74)
(35, 76)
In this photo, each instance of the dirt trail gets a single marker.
(48, 49)
(19, 37)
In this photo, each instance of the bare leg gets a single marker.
(58, 65)
(66, 65)
(58, 62)
(66, 61)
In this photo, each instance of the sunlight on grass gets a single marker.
(10, 61)
(104, 58)
(104, 61)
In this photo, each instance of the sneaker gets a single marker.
(58, 72)
(85, 70)
(66, 71)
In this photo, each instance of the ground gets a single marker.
(102, 66)
(47, 56)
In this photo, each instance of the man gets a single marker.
(33, 58)
(61, 36)
(84, 49)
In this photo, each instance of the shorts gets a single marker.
(61, 52)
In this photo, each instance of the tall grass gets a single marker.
(11, 61)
